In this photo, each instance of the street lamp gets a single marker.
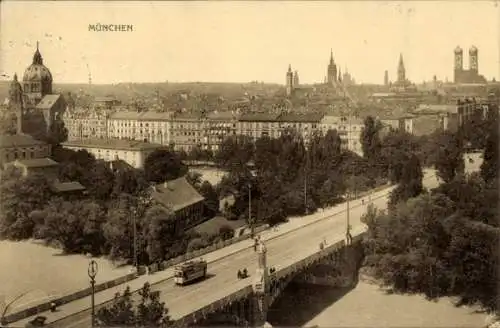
(92, 271)
(250, 220)
(3, 320)
(134, 228)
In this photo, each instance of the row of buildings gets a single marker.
(184, 131)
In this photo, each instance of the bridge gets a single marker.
(222, 297)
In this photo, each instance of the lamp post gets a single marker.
(3, 320)
(250, 220)
(134, 231)
(92, 271)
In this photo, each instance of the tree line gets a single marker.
(100, 221)
(442, 242)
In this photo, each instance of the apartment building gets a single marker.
(85, 124)
(188, 131)
(349, 129)
(218, 126)
(151, 127)
(304, 124)
(257, 125)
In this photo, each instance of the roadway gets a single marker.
(283, 249)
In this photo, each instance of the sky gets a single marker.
(240, 41)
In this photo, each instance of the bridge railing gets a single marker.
(31, 311)
(214, 306)
(283, 272)
(200, 252)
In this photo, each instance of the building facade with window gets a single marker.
(132, 152)
(304, 124)
(179, 196)
(349, 129)
(220, 125)
(22, 147)
(86, 124)
(256, 125)
(188, 130)
(151, 127)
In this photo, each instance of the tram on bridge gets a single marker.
(190, 271)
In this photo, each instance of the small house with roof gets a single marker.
(21, 147)
(183, 199)
(44, 166)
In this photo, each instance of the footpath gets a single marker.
(106, 295)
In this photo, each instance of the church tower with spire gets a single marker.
(401, 71)
(37, 81)
(16, 103)
(332, 71)
(289, 81)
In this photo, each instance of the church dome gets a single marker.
(473, 49)
(37, 71)
(458, 50)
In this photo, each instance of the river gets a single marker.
(367, 306)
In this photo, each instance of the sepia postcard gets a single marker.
(249, 163)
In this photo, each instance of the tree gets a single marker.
(19, 196)
(129, 181)
(158, 229)
(235, 152)
(449, 156)
(489, 167)
(163, 165)
(410, 184)
(98, 181)
(119, 313)
(370, 139)
(57, 133)
(118, 228)
(150, 312)
(76, 226)
(211, 202)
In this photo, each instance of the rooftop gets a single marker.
(295, 117)
(436, 108)
(140, 116)
(18, 140)
(259, 117)
(67, 186)
(48, 101)
(222, 116)
(120, 144)
(37, 162)
(331, 119)
(176, 194)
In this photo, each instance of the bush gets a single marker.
(195, 244)
(226, 232)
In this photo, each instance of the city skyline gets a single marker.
(226, 42)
